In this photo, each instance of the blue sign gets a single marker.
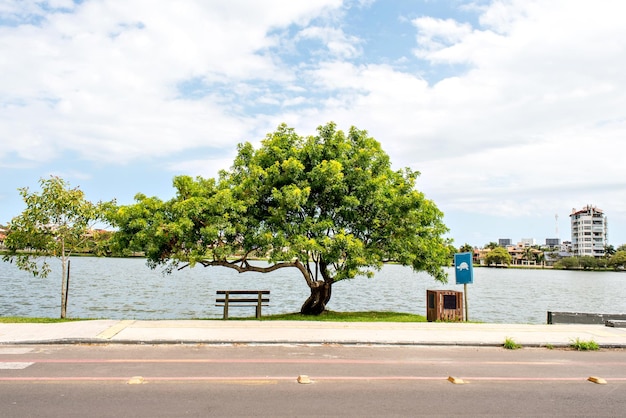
(463, 269)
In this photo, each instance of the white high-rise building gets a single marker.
(589, 231)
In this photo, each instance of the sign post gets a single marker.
(464, 273)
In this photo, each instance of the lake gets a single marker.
(128, 289)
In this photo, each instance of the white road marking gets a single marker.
(14, 365)
(15, 350)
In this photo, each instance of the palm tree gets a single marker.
(528, 254)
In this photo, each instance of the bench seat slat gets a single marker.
(241, 300)
(243, 292)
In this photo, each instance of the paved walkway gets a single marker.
(306, 332)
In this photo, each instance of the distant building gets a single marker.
(504, 242)
(528, 242)
(589, 231)
(553, 242)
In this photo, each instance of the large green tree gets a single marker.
(329, 206)
(54, 224)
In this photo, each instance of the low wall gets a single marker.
(582, 318)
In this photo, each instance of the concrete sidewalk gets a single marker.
(307, 332)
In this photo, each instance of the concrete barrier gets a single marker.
(583, 318)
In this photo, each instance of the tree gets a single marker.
(451, 251)
(587, 262)
(609, 250)
(540, 258)
(492, 245)
(466, 248)
(498, 256)
(618, 260)
(567, 263)
(528, 255)
(329, 206)
(54, 224)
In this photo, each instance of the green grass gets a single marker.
(510, 344)
(28, 320)
(580, 345)
(332, 316)
(329, 316)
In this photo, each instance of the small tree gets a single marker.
(618, 260)
(491, 245)
(466, 248)
(498, 256)
(587, 262)
(528, 255)
(54, 224)
(567, 263)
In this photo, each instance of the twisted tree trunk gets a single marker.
(316, 302)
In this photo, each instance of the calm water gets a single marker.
(127, 288)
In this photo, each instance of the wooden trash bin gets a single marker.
(444, 305)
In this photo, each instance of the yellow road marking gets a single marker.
(115, 329)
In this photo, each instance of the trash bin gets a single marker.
(444, 305)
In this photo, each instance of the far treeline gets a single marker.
(497, 256)
(328, 206)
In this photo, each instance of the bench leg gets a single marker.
(258, 306)
(226, 305)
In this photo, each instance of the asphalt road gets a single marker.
(346, 381)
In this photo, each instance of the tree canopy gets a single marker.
(498, 255)
(54, 224)
(329, 205)
(618, 260)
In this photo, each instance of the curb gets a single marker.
(98, 341)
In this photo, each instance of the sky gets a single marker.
(513, 111)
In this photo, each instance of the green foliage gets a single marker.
(609, 250)
(498, 256)
(331, 316)
(567, 263)
(466, 248)
(492, 245)
(618, 260)
(587, 262)
(54, 224)
(580, 345)
(510, 344)
(329, 205)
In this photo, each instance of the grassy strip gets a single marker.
(329, 316)
(28, 320)
(332, 316)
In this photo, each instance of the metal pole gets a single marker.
(465, 297)
(67, 285)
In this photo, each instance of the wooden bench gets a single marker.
(242, 298)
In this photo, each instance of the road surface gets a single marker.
(347, 381)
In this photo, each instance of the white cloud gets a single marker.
(103, 81)
(336, 41)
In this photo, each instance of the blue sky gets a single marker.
(513, 111)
